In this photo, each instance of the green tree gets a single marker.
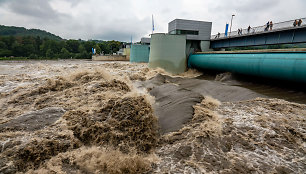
(105, 48)
(84, 55)
(114, 45)
(3, 45)
(81, 49)
(5, 53)
(27, 44)
(49, 53)
(33, 56)
(38, 42)
(44, 47)
(17, 49)
(72, 46)
(28, 50)
(33, 47)
(98, 49)
(89, 45)
(65, 54)
(9, 41)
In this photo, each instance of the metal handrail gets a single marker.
(260, 29)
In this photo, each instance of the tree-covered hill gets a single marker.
(20, 31)
(34, 43)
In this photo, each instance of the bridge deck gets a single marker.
(281, 33)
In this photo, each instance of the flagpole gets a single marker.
(152, 24)
(131, 39)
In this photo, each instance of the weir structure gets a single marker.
(277, 64)
(187, 43)
(139, 53)
(184, 37)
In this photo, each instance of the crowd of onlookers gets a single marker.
(268, 26)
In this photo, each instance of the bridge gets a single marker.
(281, 33)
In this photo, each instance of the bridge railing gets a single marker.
(260, 29)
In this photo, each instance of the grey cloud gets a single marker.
(256, 6)
(3, 1)
(123, 30)
(75, 2)
(114, 35)
(165, 10)
(251, 12)
(119, 19)
(34, 8)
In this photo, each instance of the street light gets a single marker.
(231, 24)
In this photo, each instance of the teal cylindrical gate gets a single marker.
(281, 65)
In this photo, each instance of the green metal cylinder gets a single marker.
(140, 53)
(281, 65)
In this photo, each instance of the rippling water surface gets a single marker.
(76, 116)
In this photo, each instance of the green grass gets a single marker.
(26, 58)
(14, 58)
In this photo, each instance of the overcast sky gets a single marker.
(119, 19)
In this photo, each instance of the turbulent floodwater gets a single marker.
(117, 117)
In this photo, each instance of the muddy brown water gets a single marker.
(109, 125)
(272, 88)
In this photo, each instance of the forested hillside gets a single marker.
(34, 43)
(20, 31)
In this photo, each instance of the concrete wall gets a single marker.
(203, 27)
(140, 53)
(127, 52)
(110, 58)
(168, 52)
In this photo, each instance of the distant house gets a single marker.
(145, 41)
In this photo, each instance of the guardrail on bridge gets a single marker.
(261, 29)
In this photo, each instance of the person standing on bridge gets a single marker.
(271, 25)
(249, 28)
(300, 22)
(240, 31)
(217, 35)
(267, 26)
(295, 23)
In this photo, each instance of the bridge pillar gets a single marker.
(205, 45)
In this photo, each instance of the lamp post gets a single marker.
(231, 24)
